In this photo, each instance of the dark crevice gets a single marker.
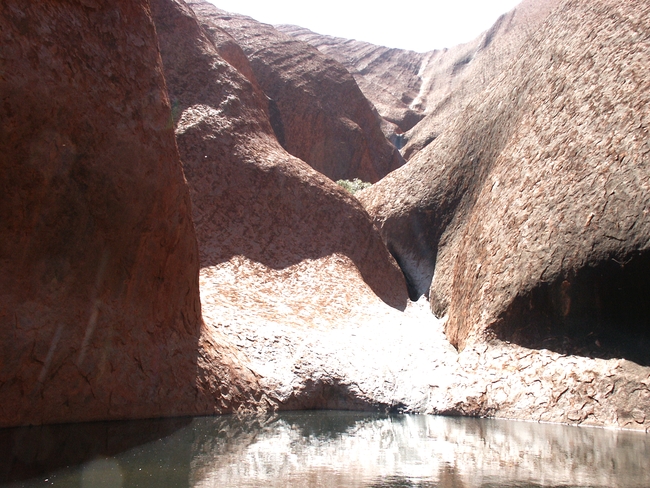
(418, 276)
(275, 117)
(599, 311)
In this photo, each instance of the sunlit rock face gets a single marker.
(279, 242)
(533, 208)
(402, 362)
(99, 295)
(423, 93)
(316, 109)
(389, 78)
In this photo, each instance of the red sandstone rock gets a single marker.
(389, 78)
(406, 86)
(533, 206)
(451, 79)
(318, 112)
(99, 299)
(268, 225)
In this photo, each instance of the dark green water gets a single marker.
(322, 449)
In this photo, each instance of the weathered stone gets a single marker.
(455, 77)
(533, 207)
(540, 268)
(317, 111)
(99, 296)
(389, 78)
(423, 93)
(402, 362)
(276, 238)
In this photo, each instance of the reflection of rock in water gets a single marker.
(33, 451)
(345, 449)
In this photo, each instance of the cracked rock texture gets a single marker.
(422, 93)
(99, 298)
(401, 361)
(533, 208)
(317, 111)
(526, 222)
(277, 239)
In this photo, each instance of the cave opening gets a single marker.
(599, 311)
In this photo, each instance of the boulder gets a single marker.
(317, 111)
(99, 295)
(528, 217)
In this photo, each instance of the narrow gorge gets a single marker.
(173, 241)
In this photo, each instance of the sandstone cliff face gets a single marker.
(279, 242)
(533, 207)
(532, 211)
(99, 297)
(389, 78)
(317, 111)
(423, 93)
(453, 78)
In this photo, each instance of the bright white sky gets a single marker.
(418, 25)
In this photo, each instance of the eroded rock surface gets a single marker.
(402, 362)
(277, 239)
(99, 299)
(533, 207)
(389, 78)
(453, 78)
(532, 211)
(318, 112)
(423, 93)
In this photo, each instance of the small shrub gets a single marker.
(353, 186)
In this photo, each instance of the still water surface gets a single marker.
(323, 449)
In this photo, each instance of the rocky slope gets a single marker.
(389, 78)
(277, 239)
(435, 86)
(99, 295)
(532, 208)
(316, 109)
(402, 362)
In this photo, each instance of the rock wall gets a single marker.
(99, 291)
(422, 93)
(99, 296)
(534, 204)
(317, 111)
(279, 242)
(389, 78)
(526, 222)
(453, 78)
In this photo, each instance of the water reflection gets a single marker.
(334, 449)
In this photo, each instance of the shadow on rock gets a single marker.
(600, 311)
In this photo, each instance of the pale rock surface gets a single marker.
(402, 362)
